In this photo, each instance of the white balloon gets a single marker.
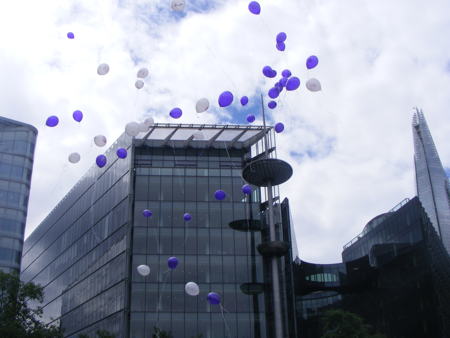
(103, 69)
(178, 5)
(74, 158)
(202, 105)
(132, 129)
(313, 85)
(139, 84)
(143, 270)
(143, 127)
(100, 140)
(198, 135)
(149, 121)
(142, 73)
(192, 289)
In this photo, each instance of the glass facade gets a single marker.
(17, 144)
(431, 180)
(395, 276)
(86, 252)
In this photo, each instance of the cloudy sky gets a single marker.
(350, 145)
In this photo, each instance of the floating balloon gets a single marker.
(142, 73)
(176, 113)
(101, 161)
(267, 71)
(52, 121)
(202, 105)
(286, 73)
(251, 118)
(272, 104)
(70, 35)
(143, 270)
(121, 153)
(132, 129)
(100, 140)
(192, 289)
(281, 37)
(274, 93)
(281, 46)
(187, 217)
(244, 100)
(74, 158)
(293, 83)
(143, 127)
(139, 84)
(312, 61)
(279, 127)
(147, 213)
(247, 189)
(172, 262)
(313, 85)
(178, 5)
(77, 115)
(103, 69)
(273, 73)
(220, 195)
(225, 99)
(213, 298)
(254, 7)
(149, 121)
(283, 81)
(198, 135)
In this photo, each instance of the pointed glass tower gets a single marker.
(431, 180)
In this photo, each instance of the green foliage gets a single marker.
(344, 324)
(17, 319)
(158, 333)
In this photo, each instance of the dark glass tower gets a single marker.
(431, 180)
(87, 250)
(17, 143)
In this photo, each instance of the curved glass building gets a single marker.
(17, 143)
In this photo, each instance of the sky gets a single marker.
(350, 145)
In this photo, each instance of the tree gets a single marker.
(17, 318)
(344, 324)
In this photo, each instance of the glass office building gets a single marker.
(395, 275)
(86, 251)
(432, 183)
(17, 144)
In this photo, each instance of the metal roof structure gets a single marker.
(201, 135)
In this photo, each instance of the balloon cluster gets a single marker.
(281, 38)
(141, 75)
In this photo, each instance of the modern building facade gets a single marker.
(395, 275)
(17, 144)
(85, 253)
(432, 184)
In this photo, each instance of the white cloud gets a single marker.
(377, 61)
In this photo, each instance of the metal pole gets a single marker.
(274, 260)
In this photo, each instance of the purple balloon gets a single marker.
(213, 298)
(267, 71)
(220, 195)
(283, 81)
(281, 46)
(251, 118)
(293, 83)
(101, 161)
(274, 93)
(147, 213)
(272, 104)
(187, 217)
(273, 73)
(286, 73)
(254, 7)
(312, 61)
(278, 86)
(52, 121)
(77, 115)
(279, 127)
(121, 153)
(225, 99)
(176, 113)
(281, 37)
(244, 100)
(172, 262)
(70, 35)
(247, 189)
